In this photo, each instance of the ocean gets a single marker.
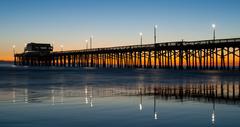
(90, 97)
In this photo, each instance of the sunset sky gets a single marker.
(112, 22)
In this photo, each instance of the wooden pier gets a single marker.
(220, 54)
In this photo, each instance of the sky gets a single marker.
(112, 22)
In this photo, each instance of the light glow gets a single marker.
(140, 107)
(155, 116)
(213, 26)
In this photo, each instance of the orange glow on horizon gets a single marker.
(6, 56)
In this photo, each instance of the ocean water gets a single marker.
(90, 97)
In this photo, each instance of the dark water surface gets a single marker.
(70, 97)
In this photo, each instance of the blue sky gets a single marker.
(113, 22)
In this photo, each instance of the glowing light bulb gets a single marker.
(213, 26)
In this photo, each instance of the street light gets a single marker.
(53, 45)
(91, 39)
(155, 34)
(141, 37)
(14, 47)
(214, 31)
(86, 44)
(61, 47)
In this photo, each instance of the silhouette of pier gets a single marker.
(223, 54)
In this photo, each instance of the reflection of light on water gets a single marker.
(13, 66)
(86, 100)
(26, 95)
(213, 118)
(53, 97)
(62, 95)
(140, 107)
(155, 116)
(14, 96)
(86, 92)
(154, 110)
(90, 95)
(91, 102)
(91, 98)
(140, 104)
(213, 113)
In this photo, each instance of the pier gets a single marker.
(219, 54)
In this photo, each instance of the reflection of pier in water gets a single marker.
(224, 93)
(227, 93)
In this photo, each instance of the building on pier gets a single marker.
(38, 47)
(34, 54)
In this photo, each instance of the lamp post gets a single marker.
(141, 34)
(155, 34)
(14, 52)
(91, 39)
(86, 44)
(52, 45)
(214, 31)
(61, 47)
(14, 49)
